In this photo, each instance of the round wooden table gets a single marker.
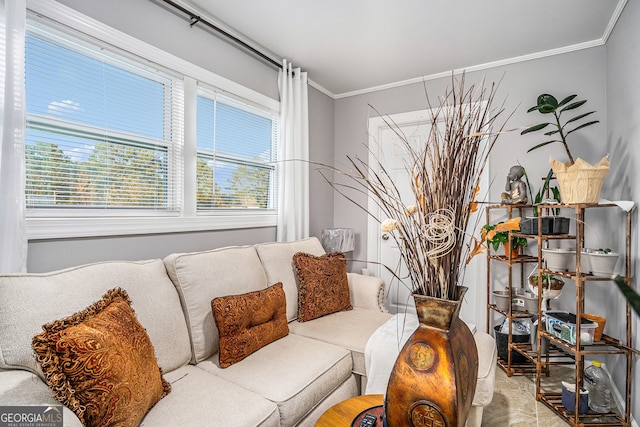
(343, 413)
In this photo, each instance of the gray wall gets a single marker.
(320, 153)
(581, 72)
(143, 19)
(623, 134)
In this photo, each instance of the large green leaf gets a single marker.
(579, 117)
(584, 125)
(542, 145)
(566, 100)
(628, 292)
(573, 106)
(546, 99)
(535, 128)
(547, 108)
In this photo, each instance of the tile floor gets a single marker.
(514, 403)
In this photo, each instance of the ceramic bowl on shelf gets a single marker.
(530, 302)
(501, 299)
(600, 263)
(585, 261)
(560, 259)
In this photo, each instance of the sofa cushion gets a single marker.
(277, 260)
(200, 277)
(100, 363)
(249, 321)
(323, 287)
(198, 398)
(294, 372)
(346, 329)
(31, 300)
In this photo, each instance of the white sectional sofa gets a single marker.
(289, 382)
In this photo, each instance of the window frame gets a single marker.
(213, 95)
(110, 222)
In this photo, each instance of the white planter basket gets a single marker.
(600, 264)
(560, 259)
(580, 182)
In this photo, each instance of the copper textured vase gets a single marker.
(434, 378)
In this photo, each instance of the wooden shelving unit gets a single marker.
(563, 351)
(508, 365)
(560, 352)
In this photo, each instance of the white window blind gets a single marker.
(236, 146)
(102, 132)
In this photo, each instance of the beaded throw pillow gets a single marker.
(250, 321)
(323, 287)
(101, 364)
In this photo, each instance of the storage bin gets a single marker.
(569, 398)
(562, 324)
(502, 344)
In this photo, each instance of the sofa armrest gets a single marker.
(367, 292)
(22, 388)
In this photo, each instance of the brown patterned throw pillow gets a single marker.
(323, 287)
(249, 321)
(101, 364)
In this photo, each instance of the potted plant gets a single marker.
(600, 262)
(559, 259)
(552, 224)
(498, 234)
(551, 285)
(579, 181)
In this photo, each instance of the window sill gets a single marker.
(62, 228)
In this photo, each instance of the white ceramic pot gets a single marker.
(530, 302)
(502, 300)
(560, 259)
(585, 262)
(517, 302)
(601, 264)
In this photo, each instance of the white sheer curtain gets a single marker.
(293, 167)
(13, 231)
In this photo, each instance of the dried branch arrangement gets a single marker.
(431, 229)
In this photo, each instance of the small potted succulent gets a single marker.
(599, 262)
(571, 172)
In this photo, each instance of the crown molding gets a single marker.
(479, 67)
(614, 19)
(508, 61)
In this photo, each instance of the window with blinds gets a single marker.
(102, 131)
(236, 146)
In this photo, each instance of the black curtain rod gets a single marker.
(196, 18)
